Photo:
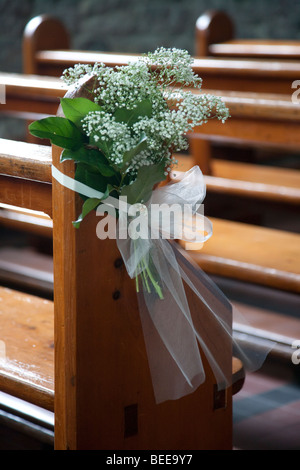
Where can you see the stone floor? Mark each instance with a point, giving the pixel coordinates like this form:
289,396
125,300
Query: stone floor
266,412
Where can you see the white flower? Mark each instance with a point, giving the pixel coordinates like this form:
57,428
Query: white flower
112,137
155,78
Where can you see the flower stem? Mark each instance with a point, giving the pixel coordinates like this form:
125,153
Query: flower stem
145,275
154,282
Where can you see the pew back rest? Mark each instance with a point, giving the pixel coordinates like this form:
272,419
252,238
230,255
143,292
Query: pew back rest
215,37
41,33
212,27
39,57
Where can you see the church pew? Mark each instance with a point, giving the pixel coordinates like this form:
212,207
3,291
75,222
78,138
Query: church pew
215,36
256,119
27,322
45,53
109,376
248,254
26,183
40,58
42,176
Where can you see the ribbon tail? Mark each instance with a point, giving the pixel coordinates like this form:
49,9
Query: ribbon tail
173,353
218,310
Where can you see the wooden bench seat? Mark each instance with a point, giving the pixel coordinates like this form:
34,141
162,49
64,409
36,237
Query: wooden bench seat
27,269
27,347
270,326
257,48
232,177
29,221
264,119
27,344
20,159
38,94
236,250
259,255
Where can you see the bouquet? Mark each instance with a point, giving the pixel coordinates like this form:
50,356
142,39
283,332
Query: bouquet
123,138
124,135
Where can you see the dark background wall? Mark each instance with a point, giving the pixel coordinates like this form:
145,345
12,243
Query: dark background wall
141,25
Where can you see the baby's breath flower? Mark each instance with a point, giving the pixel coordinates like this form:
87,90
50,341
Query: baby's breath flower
112,137
172,111
173,65
73,74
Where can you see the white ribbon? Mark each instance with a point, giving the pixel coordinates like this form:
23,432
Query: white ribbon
171,329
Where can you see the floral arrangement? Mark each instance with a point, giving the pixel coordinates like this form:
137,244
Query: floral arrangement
123,138
124,135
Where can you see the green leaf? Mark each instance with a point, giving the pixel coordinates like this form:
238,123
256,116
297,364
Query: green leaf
59,131
89,205
147,176
91,157
142,145
142,109
75,109
85,174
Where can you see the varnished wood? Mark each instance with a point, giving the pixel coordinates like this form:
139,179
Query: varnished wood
265,76
42,32
47,53
26,269
268,257
78,336
269,175
238,375
27,180
246,179
41,202
270,106
257,48
25,160
29,194
27,347
40,94
261,119
25,220
232,178
266,326
211,27
109,369
81,325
